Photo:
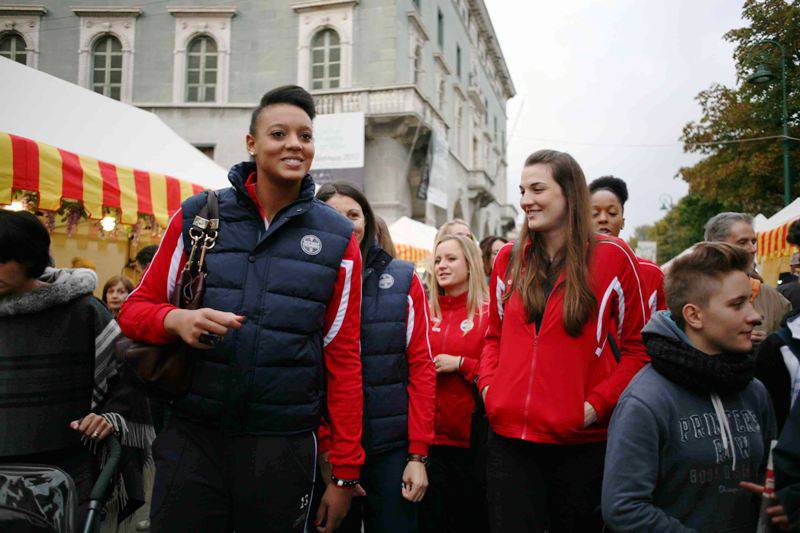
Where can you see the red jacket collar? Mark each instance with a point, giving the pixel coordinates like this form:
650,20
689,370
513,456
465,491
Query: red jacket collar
250,185
453,302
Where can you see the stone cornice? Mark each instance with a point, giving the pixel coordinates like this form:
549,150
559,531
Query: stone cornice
16,9
311,5
202,11
481,15
92,11
439,58
416,21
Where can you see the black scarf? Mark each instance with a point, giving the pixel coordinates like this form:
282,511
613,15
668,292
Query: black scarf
726,373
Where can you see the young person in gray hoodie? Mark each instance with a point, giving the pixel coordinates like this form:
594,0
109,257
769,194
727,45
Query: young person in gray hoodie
694,424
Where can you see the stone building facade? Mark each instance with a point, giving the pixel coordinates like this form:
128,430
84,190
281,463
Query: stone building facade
418,69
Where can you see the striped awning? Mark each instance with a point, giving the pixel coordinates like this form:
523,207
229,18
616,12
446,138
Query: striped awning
57,175
773,243
412,253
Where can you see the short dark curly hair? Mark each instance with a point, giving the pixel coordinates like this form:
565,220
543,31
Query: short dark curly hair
612,184
287,94
25,240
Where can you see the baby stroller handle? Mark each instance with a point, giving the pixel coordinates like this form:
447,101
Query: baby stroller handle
99,493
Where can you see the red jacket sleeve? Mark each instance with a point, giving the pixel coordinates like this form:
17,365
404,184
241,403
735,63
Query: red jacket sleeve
491,344
421,372
633,356
342,357
652,287
142,315
469,368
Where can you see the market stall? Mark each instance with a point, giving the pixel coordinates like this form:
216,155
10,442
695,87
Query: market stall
413,240
773,250
103,176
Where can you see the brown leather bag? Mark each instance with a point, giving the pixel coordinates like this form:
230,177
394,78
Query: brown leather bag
166,370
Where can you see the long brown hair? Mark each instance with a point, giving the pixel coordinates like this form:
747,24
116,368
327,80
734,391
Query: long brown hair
531,265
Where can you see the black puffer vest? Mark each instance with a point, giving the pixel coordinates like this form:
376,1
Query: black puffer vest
384,323
267,377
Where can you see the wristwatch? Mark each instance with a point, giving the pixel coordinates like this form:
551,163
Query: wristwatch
344,483
418,458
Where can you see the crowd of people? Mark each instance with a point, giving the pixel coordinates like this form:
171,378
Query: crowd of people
556,382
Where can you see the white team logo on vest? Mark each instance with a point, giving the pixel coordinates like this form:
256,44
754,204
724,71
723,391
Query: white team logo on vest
467,325
311,244
385,281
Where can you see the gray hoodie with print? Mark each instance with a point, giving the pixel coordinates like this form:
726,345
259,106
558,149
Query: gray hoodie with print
669,467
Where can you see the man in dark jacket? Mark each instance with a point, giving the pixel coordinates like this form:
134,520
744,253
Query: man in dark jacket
694,424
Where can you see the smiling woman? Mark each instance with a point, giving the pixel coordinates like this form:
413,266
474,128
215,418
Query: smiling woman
284,277
547,372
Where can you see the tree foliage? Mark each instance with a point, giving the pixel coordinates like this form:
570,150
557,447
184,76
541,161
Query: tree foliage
740,176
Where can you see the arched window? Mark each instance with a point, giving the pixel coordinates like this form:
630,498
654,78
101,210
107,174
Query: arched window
12,46
107,67
417,64
201,70
326,60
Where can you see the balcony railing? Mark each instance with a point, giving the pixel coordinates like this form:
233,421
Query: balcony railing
387,101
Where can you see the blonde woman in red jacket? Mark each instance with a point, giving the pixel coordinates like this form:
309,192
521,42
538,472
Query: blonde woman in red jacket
547,373
459,312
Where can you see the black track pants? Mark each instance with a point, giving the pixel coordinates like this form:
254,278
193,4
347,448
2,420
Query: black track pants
209,482
456,500
533,487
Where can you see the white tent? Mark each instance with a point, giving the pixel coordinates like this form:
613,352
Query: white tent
787,214
50,110
413,233
759,221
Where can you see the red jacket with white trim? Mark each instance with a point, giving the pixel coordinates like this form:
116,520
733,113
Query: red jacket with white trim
454,334
652,287
142,318
539,380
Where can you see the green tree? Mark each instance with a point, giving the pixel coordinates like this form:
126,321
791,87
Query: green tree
683,225
748,176
739,176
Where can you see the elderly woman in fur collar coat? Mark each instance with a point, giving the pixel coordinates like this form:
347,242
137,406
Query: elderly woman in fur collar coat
60,392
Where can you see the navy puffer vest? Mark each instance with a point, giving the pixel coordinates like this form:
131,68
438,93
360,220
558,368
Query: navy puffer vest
384,319
267,377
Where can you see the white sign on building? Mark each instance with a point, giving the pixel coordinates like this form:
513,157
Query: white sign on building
339,148
437,184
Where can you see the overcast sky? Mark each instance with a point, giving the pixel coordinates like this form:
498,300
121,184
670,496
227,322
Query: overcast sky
594,77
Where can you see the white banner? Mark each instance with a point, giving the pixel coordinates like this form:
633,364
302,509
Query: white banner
437,184
339,141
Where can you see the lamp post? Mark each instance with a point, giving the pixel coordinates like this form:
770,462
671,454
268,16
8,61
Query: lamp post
763,75
666,202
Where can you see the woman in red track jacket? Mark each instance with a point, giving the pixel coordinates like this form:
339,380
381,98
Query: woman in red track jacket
547,373
459,314
609,195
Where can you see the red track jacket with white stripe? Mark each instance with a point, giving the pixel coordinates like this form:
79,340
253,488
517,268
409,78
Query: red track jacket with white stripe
652,287
539,380
454,334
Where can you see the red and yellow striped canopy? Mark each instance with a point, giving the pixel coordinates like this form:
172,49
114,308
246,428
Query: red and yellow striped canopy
411,253
57,174
773,243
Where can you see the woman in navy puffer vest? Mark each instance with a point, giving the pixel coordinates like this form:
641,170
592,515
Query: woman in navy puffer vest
398,375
